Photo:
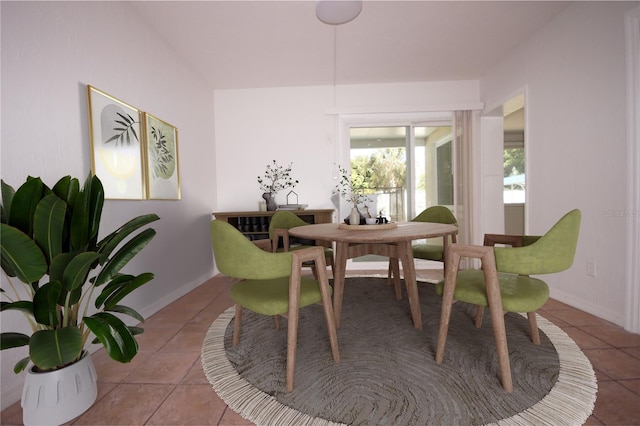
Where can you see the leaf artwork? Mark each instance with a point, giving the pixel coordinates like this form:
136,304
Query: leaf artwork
161,156
118,125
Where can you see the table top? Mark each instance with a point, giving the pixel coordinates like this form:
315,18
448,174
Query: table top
405,231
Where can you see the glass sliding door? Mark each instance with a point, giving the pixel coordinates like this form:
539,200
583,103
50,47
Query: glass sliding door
410,167
381,154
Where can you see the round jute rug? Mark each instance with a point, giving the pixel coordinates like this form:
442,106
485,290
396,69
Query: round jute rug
387,374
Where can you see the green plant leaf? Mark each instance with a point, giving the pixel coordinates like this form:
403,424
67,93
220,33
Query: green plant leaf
96,203
24,203
121,309
114,336
76,272
111,241
7,197
83,216
21,365
25,306
55,348
13,340
124,288
136,330
67,189
48,225
45,303
124,255
58,265
20,256
116,282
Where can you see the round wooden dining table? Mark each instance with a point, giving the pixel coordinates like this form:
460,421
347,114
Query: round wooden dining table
390,241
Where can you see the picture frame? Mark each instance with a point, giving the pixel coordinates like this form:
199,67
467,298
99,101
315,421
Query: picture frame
163,168
116,146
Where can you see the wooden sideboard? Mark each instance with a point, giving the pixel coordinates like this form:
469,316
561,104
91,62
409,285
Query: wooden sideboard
255,225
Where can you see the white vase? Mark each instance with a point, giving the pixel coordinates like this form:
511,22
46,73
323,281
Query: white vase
354,217
55,397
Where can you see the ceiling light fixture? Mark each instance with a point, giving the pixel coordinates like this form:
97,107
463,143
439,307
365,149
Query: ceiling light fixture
336,12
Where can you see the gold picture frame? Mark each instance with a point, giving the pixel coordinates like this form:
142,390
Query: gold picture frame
162,166
116,146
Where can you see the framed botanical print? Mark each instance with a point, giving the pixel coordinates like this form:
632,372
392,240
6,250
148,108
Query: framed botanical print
163,174
116,146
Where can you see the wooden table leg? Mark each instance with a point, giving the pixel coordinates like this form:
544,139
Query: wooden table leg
405,253
338,279
394,274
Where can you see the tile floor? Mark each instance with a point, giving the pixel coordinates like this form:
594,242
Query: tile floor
164,384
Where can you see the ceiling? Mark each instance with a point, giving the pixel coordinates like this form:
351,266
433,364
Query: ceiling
251,44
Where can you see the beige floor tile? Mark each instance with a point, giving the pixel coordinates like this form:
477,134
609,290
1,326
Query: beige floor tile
12,415
164,367
209,314
554,319
195,376
585,340
615,363
156,336
616,405
126,404
195,300
579,319
168,317
634,352
633,385
189,339
554,305
231,418
189,405
110,371
615,336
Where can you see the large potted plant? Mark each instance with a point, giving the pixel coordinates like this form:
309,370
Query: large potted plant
70,288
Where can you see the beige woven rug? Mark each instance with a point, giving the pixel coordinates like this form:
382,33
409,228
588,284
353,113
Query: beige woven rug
387,374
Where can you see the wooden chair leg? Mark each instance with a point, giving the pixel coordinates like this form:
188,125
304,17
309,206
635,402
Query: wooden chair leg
276,319
292,324
479,315
497,318
237,325
533,325
495,304
298,258
323,282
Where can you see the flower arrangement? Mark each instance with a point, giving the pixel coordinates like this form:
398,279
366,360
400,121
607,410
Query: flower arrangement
276,178
352,185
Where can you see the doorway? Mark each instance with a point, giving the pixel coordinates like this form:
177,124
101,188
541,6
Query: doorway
514,181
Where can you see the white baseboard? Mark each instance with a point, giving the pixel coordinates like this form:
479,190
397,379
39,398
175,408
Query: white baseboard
589,307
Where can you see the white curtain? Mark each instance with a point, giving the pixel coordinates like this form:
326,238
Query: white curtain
462,176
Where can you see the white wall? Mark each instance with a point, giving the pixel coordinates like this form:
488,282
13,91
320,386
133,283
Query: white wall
50,52
574,71
292,124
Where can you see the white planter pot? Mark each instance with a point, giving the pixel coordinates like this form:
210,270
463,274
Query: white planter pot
55,397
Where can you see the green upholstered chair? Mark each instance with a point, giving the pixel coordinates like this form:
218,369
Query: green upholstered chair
279,225
435,214
425,250
504,284
271,284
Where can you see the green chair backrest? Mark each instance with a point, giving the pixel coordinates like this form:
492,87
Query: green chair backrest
552,252
436,214
238,257
284,219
